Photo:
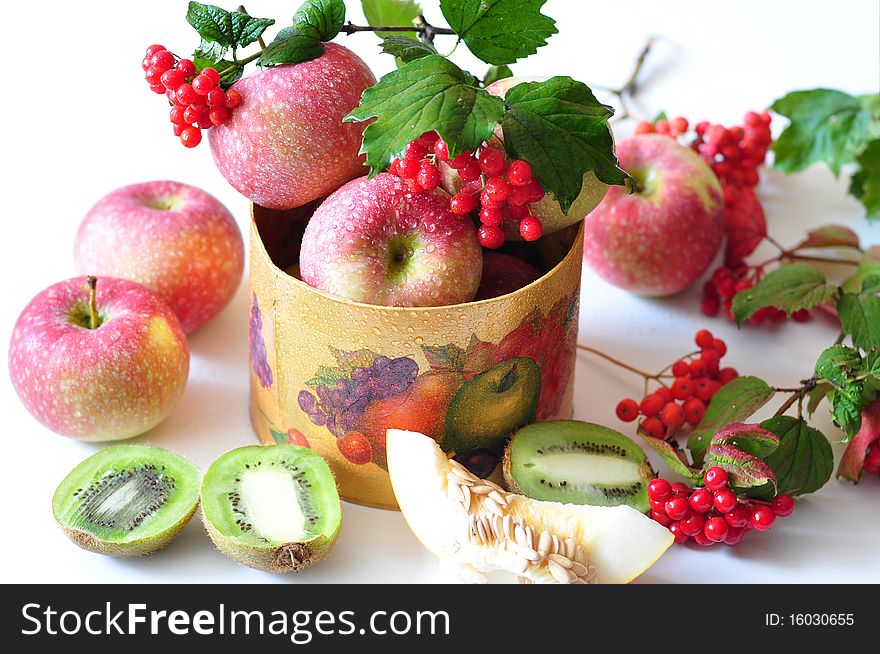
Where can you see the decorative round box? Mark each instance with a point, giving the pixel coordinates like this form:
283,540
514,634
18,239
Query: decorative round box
334,374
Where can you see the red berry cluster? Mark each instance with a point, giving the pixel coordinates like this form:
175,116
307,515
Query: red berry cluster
696,379
197,100
872,459
713,513
727,281
491,185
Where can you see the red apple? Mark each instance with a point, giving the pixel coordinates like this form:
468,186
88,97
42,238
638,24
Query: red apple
661,238
381,242
286,144
175,239
503,274
98,360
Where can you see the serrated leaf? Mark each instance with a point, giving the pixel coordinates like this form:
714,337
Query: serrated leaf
499,31
430,93
561,129
734,402
320,19
789,288
745,470
842,367
815,396
391,13
803,462
751,439
826,126
869,266
445,357
674,458
326,376
661,115
210,55
853,460
228,28
859,315
830,236
290,47
407,49
865,183
496,73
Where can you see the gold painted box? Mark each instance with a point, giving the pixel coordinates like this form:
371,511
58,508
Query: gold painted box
333,374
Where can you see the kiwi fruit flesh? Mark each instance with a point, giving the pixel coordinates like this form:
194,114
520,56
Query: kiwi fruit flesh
272,507
127,500
577,463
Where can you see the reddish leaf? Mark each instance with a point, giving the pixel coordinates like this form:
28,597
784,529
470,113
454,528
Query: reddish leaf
751,439
830,236
853,459
745,224
674,458
745,470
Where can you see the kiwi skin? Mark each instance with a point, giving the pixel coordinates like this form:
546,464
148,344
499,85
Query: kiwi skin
645,470
134,547
280,559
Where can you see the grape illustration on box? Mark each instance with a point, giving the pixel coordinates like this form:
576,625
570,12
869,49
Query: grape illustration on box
468,399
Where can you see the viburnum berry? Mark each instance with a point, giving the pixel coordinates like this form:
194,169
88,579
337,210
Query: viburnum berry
658,489
428,177
627,409
653,427
415,151
497,189
782,505
409,168
681,369
726,375
676,507
191,137
470,172
530,228
662,126
178,129
693,524
644,127
495,217
462,203
441,151
519,173
186,94
701,500
715,478
679,125
176,115
162,60
664,394
153,49
517,211
490,236
536,191
461,160
734,535
216,98
678,488
491,161
233,99
677,532
186,66
704,389
704,338
212,75
171,79
738,516
202,84
661,517
682,388
218,115
725,500
762,518
716,529
191,114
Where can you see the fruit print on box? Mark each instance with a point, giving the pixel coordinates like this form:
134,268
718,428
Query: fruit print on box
467,399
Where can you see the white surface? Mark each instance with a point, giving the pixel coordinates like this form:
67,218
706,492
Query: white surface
79,121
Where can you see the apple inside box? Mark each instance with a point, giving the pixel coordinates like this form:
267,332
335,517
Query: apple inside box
334,375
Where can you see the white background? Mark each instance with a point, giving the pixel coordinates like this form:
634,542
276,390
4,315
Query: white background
78,121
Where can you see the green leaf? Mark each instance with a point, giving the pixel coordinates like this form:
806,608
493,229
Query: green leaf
291,47
865,183
826,125
830,236
734,402
745,470
560,128
327,376
321,19
429,93
407,49
842,367
751,439
279,436
348,361
496,73
445,357
499,31
790,288
210,55
391,13
869,266
674,458
661,115
803,461
859,315
819,393
230,29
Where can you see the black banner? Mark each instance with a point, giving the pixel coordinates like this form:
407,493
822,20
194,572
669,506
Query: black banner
278,618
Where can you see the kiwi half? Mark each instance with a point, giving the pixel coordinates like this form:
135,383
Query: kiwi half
127,500
577,463
274,508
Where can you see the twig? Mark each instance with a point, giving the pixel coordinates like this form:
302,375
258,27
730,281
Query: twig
422,27
629,88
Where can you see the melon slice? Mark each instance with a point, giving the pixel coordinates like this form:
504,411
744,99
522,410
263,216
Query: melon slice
476,527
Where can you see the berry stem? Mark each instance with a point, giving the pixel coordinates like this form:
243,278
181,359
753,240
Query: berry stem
786,254
630,87
422,27
625,366
93,302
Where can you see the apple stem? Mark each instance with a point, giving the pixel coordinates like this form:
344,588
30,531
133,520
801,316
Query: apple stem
93,303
